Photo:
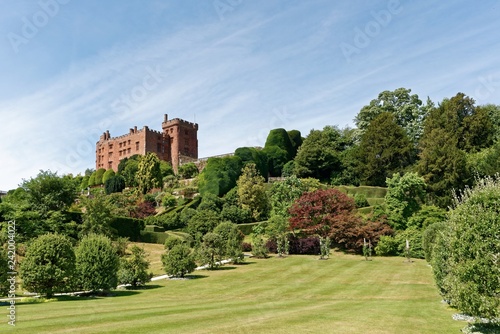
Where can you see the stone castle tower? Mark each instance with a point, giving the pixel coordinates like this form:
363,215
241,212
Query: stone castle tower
177,143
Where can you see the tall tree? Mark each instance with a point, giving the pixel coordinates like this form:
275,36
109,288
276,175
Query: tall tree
220,175
407,109
252,192
319,155
405,195
149,173
384,150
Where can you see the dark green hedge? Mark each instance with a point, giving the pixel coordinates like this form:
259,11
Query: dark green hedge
128,227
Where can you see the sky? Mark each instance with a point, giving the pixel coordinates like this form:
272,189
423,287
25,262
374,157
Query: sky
72,69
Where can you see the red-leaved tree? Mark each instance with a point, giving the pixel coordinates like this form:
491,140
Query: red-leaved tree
331,213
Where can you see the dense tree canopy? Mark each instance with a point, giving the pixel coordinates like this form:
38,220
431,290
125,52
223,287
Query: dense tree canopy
220,175
49,265
384,150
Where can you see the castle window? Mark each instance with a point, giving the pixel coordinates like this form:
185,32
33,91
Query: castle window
129,141
120,145
128,150
171,130
110,146
186,132
137,146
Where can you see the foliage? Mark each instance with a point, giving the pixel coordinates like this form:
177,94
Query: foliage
319,155
149,173
429,237
405,195
387,246
99,174
97,217
128,168
127,227
49,264
107,175
384,150
256,156
319,211
277,158
202,222
143,210
211,250
121,244
470,281
85,182
169,201
297,245
219,175
178,260
236,214
426,216
252,192
407,109
296,139
49,192
114,184
281,139
188,171
4,269
97,263
133,270
211,202
360,201
232,239
166,169
284,193
277,228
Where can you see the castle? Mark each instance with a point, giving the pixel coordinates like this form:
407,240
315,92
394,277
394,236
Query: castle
177,143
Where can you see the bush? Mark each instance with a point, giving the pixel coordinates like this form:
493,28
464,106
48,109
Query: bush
49,264
429,237
133,270
153,237
97,263
169,201
308,245
128,227
178,261
360,200
387,246
246,247
114,184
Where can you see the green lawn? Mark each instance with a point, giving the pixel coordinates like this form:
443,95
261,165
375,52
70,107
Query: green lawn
298,294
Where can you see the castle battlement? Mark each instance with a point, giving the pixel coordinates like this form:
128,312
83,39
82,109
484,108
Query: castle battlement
177,139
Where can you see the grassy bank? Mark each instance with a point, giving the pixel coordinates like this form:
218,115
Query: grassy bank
298,294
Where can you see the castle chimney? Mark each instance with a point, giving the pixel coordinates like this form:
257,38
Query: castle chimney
107,134
135,129
165,118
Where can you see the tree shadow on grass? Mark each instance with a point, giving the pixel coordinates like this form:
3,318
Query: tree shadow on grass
195,276
142,287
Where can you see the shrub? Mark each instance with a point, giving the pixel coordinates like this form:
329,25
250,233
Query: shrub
246,247
127,227
169,201
387,245
429,237
49,264
153,237
178,261
114,184
360,200
308,245
97,263
133,270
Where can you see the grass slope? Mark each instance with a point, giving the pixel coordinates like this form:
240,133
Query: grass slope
298,294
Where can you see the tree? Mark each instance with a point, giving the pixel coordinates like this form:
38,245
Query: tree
99,174
211,250
252,192
128,168
384,150
178,261
278,228
97,263
284,193
97,216
202,222
166,169
319,155
280,138
49,192
442,161
317,212
408,111
256,156
149,173
49,264
296,139
470,281
114,184
188,171
219,175
133,270
232,239
107,175
405,195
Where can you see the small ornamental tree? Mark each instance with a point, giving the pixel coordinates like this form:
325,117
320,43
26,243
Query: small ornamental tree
252,192
97,263
232,239
211,250
49,264
178,260
319,211
133,270
114,184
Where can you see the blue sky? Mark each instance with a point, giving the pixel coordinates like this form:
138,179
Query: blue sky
71,69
